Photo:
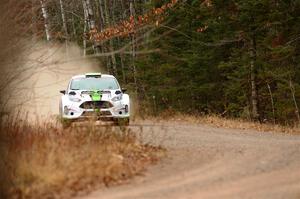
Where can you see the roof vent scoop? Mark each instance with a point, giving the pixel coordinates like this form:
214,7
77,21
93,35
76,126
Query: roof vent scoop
93,75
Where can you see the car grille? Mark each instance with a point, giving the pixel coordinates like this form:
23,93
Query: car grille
96,105
105,113
96,114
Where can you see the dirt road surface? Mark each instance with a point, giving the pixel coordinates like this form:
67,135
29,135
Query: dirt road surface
208,162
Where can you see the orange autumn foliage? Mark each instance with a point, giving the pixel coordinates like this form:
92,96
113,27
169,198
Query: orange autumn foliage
130,26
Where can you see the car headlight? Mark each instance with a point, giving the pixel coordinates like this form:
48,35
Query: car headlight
74,99
117,98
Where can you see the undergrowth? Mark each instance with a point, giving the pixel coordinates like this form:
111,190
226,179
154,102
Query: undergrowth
45,161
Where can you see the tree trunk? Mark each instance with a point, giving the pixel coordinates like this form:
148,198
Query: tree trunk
85,27
111,43
123,68
89,15
102,15
63,17
132,13
254,98
102,26
34,21
45,16
91,20
122,58
272,103
84,39
73,27
292,88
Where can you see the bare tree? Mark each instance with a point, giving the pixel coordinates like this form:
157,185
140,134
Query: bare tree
272,102
63,17
111,43
90,21
46,20
132,13
292,88
254,98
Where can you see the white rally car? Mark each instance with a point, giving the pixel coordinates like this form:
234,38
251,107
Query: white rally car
94,95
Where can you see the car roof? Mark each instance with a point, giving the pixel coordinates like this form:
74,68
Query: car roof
83,76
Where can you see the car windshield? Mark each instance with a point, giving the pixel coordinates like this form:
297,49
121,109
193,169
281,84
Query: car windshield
102,83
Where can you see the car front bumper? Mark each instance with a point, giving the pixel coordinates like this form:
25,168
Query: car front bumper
74,112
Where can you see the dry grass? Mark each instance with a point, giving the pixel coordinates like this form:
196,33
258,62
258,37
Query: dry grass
243,124
233,123
43,161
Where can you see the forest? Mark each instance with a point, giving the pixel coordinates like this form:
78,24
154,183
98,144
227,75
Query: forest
232,58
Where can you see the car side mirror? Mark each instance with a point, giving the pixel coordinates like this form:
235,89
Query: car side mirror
63,92
124,90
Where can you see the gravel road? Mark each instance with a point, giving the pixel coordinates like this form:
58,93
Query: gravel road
208,162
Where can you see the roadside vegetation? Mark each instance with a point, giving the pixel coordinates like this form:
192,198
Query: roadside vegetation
236,59
44,161
223,122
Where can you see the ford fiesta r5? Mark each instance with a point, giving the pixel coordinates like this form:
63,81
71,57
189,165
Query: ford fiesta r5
94,95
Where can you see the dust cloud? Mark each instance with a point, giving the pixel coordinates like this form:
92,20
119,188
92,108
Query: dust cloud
46,68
